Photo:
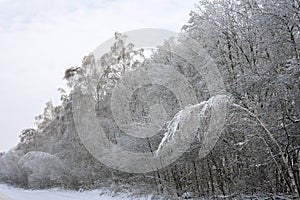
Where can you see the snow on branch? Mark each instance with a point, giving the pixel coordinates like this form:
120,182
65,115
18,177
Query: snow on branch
202,110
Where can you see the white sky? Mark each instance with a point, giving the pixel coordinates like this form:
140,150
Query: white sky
39,39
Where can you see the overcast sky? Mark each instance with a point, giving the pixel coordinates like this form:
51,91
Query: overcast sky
39,39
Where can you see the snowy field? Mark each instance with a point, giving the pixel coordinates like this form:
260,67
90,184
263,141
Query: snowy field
11,193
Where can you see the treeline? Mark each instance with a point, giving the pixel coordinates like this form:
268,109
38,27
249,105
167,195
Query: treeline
256,45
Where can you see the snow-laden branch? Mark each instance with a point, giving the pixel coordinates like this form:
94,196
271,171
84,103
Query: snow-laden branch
202,113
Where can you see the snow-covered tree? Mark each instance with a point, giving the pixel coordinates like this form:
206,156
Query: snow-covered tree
41,169
10,171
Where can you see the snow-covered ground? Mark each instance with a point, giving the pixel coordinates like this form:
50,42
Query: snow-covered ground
12,193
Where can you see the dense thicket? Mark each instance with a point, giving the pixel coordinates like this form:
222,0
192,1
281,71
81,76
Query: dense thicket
256,45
